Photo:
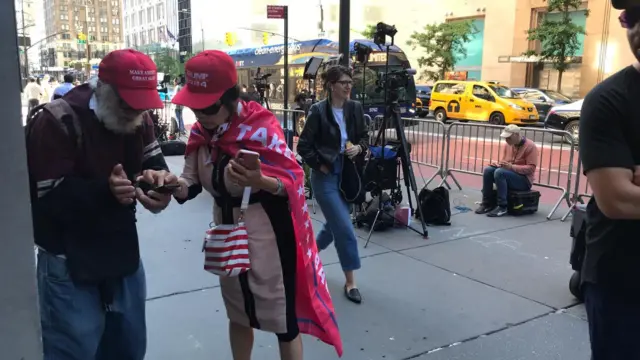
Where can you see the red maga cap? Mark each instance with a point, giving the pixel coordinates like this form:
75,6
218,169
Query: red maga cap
134,76
209,75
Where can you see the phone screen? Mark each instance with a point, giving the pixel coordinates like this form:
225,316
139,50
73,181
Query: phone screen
167,188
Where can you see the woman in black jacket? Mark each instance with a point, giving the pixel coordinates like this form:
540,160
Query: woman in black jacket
334,134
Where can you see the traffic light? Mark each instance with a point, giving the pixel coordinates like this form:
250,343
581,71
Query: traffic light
265,38
230,38
82,38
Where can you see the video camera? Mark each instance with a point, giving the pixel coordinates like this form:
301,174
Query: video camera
260,81
392,82
362,52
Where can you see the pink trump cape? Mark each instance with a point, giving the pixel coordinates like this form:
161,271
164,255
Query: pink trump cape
257,129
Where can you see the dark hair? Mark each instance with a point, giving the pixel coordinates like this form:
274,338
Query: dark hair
68,78
227,101
333,74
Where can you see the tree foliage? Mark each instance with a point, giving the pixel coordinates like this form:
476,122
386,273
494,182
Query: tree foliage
369,32
168,63
557,39
442,46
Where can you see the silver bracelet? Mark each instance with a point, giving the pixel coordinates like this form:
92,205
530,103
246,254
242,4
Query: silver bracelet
280,188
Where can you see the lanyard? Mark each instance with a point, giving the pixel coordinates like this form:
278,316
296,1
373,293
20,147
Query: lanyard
246,195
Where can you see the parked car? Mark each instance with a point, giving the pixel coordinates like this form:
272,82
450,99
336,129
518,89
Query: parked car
543,99
423,97
567,118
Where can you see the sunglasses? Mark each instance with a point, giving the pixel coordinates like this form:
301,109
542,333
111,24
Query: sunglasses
630,17
211,110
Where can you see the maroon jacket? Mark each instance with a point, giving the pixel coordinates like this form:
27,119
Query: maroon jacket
74,211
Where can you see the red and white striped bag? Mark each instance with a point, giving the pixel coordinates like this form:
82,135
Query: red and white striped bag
226,247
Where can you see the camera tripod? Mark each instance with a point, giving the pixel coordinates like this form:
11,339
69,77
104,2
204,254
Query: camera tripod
264,101
392,115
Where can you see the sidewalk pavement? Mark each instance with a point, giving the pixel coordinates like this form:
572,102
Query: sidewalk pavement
481,289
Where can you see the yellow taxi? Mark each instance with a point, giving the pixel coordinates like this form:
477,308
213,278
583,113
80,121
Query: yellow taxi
480,101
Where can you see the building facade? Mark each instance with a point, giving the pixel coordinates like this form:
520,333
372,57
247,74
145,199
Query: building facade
150,24
29,32
495,50
66,20
493,53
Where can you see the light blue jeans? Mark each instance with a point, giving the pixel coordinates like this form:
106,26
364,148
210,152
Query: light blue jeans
338,227
75,325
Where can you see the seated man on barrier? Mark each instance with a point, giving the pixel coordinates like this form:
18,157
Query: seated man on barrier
515,171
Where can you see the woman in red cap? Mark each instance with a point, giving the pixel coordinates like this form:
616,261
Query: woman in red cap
285,290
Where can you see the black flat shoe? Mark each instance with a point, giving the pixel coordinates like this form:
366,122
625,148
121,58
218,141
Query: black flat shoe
353,295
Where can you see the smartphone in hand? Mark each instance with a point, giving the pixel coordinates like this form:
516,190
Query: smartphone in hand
494,165
250,159
164,189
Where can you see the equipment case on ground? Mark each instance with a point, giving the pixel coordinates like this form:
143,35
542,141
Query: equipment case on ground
523,202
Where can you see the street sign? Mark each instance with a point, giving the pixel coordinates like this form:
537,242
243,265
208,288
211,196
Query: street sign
275,11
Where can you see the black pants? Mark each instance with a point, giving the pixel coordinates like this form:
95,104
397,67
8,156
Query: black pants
614,323
33,103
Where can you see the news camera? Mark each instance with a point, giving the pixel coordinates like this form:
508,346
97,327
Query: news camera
362,52
261,82
392,82
382,31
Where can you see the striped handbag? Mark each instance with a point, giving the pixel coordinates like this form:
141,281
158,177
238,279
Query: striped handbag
226,247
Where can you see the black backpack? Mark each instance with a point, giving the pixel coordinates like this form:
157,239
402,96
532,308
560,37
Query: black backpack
434,206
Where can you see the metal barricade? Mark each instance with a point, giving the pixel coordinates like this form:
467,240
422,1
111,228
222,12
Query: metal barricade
470,148
579,194
427,140
292,122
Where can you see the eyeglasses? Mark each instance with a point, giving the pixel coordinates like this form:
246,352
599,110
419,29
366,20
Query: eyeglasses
345,82
211,110
629,18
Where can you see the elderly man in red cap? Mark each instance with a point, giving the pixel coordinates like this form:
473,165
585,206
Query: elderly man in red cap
87,153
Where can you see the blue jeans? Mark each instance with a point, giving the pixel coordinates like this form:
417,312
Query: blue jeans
74,323
180,120
338,227
505,180
613,323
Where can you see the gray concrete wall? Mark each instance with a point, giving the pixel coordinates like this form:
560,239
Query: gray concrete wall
19,319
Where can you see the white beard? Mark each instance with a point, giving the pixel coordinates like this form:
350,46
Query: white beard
109,113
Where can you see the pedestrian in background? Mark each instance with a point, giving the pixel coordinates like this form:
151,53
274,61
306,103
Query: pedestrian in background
91,282
32,93
63,88
179,83
610,154
335,129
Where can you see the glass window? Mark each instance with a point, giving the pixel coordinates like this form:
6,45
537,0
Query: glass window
503,92
533,95
481,92
557,96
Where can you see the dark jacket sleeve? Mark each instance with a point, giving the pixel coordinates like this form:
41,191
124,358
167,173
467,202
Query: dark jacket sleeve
306,143
57,191
361,127
152,157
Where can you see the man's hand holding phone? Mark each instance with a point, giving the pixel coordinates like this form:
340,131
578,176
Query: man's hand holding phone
159,186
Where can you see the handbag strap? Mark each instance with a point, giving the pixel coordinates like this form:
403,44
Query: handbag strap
246,195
